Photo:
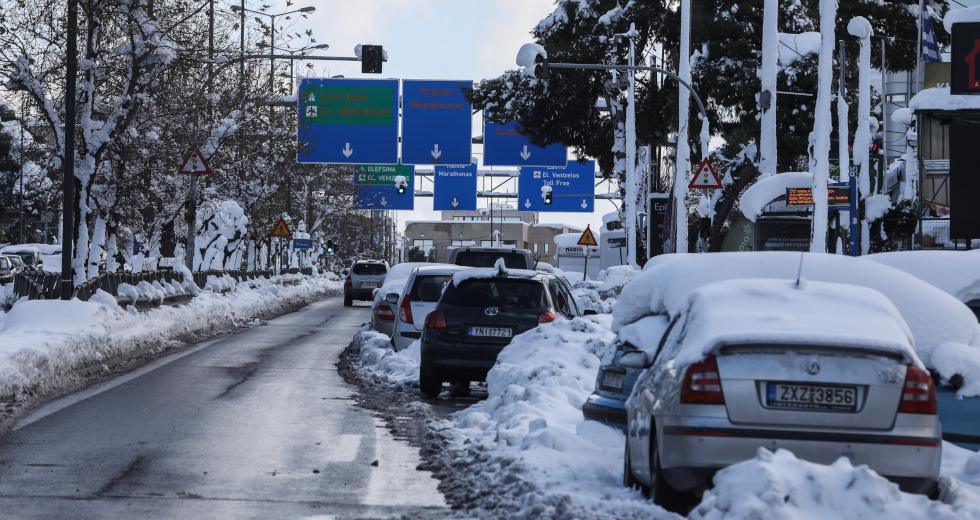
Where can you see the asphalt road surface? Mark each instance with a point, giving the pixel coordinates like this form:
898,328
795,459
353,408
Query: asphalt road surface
256,424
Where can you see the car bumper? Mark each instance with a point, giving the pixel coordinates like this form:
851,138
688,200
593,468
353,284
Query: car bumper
360,294
605,410
692,449
404,337
460,360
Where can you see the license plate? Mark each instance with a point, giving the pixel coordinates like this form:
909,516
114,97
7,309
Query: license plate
811,397
491,332
612,380
369,285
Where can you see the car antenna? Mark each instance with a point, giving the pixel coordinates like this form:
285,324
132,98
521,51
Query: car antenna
799,272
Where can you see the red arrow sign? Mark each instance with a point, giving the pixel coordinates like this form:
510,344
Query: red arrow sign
706,177
195,163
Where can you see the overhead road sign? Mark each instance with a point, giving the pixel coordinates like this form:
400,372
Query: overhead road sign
302,243
347,121
454,188
281,229
503,145
587,238
194,163
568,188
706,177
376,186
437,122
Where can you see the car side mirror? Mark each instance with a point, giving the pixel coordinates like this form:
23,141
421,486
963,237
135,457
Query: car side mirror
392,298
589,312
635,359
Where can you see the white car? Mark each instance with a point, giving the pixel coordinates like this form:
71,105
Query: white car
419,298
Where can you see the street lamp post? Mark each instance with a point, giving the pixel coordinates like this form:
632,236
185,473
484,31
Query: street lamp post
68,161
272,33
533,59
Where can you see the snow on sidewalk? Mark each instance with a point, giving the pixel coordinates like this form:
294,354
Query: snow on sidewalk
48,346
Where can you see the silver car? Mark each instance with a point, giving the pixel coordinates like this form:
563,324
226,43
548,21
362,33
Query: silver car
421,294
821,371
363,277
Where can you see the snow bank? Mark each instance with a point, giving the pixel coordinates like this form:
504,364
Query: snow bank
777,312
939,98
778,486
933,316
533,415
378,357
51,345
755,199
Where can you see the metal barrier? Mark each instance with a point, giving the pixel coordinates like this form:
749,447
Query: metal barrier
934,234
40,285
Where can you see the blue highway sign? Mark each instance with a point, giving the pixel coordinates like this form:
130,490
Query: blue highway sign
302,243
377,186
569,188
437,122
347,121
455,188
503,145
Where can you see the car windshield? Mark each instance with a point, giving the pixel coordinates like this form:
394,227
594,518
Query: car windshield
369,269
504,293
27,256
487,259
429,288
15,260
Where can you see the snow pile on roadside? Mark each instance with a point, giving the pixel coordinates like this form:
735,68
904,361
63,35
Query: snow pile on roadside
48,346
778,486
379,358
600,294
528,445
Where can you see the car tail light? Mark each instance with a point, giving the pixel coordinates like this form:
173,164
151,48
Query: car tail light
435,320
547,317
919,393
702,384
385,313
406,309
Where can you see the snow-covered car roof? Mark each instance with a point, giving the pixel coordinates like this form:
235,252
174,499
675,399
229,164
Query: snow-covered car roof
780,312
955,272
933,316
45,249
497,271
439,269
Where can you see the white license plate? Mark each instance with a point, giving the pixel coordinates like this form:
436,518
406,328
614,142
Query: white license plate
491,332
613,380
369,285
811,397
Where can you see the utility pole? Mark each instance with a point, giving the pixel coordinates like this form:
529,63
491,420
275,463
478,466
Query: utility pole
767,96
682,168
68,161
631,181
190,248
843,131
884,106
23,113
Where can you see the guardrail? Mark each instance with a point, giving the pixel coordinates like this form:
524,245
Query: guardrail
40,285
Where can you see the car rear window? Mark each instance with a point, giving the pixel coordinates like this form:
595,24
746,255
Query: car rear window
429,288
486,259
4,263
503,293
369,269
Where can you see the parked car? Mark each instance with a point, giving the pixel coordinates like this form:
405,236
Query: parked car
476,317
362,279
6,270
821,369
934,317
382,311
421,293
17,262
29,253
487,257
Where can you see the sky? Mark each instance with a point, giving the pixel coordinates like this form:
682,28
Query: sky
433,39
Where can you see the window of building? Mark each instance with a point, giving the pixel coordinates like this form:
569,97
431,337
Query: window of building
547,248
464,243
486,243
424,245
535,247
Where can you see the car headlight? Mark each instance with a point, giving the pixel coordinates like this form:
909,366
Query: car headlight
612,380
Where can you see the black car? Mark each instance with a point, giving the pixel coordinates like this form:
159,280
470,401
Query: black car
477,318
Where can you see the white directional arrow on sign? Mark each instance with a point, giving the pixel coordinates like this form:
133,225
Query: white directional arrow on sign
347,151
584,204
436,153
525,154
527,203
455,202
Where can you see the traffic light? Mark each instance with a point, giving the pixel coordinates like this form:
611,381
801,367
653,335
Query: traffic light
547,197
372,56
330,248
401,189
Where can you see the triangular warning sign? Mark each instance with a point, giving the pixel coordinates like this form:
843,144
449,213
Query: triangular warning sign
281,230
706,177
194,163
587,238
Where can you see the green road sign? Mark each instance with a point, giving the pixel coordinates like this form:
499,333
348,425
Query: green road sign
382,174
349,105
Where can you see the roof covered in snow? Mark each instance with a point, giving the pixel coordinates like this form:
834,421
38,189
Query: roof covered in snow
755,199
955,272
939,98
778,312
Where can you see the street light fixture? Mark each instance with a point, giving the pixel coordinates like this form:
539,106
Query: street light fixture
272,32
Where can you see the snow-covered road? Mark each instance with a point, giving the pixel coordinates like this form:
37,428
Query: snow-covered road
256,424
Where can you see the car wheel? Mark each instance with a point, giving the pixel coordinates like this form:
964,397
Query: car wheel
664,495
629,480
429,381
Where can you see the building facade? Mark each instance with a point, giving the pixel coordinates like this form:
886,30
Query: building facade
504,226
